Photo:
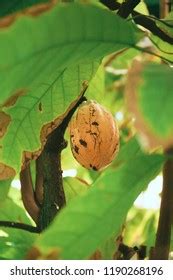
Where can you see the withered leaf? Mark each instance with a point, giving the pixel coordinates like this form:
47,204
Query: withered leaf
14,97
6,172
4,122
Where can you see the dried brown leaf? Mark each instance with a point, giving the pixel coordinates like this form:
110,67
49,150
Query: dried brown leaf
6,172
4,122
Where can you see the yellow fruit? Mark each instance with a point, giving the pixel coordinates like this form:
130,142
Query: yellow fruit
94,136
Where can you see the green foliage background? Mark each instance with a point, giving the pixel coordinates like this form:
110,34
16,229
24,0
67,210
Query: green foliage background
46,58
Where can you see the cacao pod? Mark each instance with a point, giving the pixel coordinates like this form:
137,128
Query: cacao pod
94,136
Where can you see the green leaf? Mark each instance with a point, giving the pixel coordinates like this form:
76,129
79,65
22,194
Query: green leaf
74,187
38,107
124,60
10,211
4,189
156,98
90,220
127,152
97,86
17,242
84,33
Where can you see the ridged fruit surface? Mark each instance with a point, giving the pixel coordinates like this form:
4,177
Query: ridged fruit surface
94,136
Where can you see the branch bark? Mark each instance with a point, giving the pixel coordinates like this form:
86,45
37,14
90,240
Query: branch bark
127,7
53,192
163,236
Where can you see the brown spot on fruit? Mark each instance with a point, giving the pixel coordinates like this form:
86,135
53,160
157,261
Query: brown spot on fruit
76,148
83,143
95,123
94,168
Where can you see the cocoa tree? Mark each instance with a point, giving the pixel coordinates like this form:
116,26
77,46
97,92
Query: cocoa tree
53,57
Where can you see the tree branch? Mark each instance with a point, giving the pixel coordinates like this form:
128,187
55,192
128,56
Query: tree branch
128,252
127,7
53,192
19,226
111,4
142,20
163,236
151,25
27,193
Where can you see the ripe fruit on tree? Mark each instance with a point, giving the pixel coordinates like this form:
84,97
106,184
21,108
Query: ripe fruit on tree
94,136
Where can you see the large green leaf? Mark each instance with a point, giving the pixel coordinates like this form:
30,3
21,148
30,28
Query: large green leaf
156,98
127,151
74,187
4,188
90,220
36,108
42,70
83,33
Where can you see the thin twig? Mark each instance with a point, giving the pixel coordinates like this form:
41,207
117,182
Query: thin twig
16,225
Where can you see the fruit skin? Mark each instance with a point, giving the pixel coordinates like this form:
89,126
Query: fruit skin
94,136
